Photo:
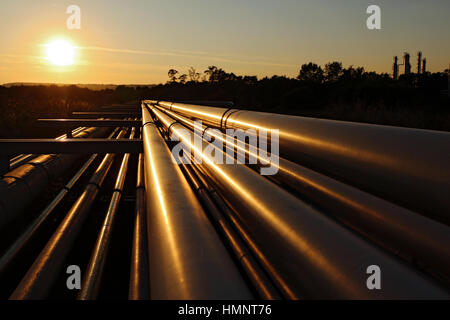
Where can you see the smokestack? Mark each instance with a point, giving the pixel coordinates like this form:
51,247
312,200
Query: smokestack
419,61
406,63
424,66
395,68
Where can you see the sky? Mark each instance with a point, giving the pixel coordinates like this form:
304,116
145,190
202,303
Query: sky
138,41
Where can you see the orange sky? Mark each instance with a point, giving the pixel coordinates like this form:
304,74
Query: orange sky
138,41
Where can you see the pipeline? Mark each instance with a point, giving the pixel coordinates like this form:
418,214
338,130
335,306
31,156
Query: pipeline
39,279
139,281
192,262
257,276
21,186
94,274
10,258
395,228
331,258
406,166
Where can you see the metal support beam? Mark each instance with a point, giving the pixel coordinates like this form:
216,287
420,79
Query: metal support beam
106,114
74,123
51,146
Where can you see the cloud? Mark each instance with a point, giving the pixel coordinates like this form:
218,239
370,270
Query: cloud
18,58
191,54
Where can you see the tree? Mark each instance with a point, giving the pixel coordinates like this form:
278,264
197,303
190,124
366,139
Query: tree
193,74
172,75
182,78
311,72
211,72
333,71
353,73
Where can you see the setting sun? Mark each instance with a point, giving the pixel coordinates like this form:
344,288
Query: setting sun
60,53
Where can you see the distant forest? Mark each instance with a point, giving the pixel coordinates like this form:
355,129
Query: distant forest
331,91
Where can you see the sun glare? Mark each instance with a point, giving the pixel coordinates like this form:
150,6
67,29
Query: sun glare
60,53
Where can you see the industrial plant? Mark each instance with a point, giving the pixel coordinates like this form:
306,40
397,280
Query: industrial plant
421,65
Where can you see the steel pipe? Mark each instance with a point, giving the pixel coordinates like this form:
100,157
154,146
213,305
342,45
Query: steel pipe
188,260
407,166
257,276
397,229
332,260
139,279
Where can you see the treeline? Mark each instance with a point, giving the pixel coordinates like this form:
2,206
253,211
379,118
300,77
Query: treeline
20,106
331,91
314,87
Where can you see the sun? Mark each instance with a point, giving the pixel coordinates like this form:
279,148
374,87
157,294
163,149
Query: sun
60,53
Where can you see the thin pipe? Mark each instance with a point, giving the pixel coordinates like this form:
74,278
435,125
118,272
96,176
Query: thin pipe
139,279
94,273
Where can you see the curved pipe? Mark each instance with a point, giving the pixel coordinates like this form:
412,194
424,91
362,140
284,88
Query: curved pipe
406,166
325,259
395,228
187,259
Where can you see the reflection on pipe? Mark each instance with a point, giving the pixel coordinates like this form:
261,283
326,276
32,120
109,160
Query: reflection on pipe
395,228
406,166
257,276
139,282
190,262
327,253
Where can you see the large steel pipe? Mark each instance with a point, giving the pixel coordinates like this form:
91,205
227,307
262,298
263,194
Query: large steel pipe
325,259
37,282
187,258
395,228
410,167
